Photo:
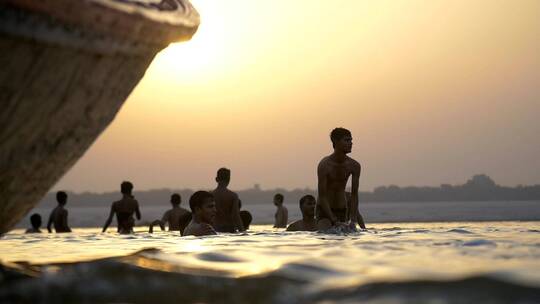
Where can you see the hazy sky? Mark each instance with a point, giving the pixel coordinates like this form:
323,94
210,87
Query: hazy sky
433,92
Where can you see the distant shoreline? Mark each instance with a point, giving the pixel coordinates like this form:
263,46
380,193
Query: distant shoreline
374,212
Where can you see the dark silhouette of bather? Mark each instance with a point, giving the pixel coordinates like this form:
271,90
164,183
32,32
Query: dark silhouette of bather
282,214
333,173
59,215
204,212
245,216
35,220
124,210
307,223
228,213
177,217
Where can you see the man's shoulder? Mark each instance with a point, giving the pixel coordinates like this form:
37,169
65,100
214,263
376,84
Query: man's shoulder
353,163
324,160
324,163
294,226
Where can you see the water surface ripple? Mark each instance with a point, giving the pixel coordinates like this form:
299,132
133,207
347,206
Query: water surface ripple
489,262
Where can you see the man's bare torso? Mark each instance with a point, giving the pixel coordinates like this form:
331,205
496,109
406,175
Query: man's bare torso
224,199
124,209
174,217
337,175
59,219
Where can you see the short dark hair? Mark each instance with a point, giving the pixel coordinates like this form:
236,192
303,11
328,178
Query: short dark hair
35,220
337,134
126,187
61,197
223,174
279,197
304,199
198,198
176,198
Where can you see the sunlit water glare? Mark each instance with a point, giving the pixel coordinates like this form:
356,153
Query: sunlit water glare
371,266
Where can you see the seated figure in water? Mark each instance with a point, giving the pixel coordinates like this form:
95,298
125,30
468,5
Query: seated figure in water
281,216
308,222
228,213
124,210
177,217
59,215
333,173
35,220
204,212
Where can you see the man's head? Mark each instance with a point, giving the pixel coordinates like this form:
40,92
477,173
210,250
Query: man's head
35,220
126,188
61,198
203,206
176,199
307,205
223,176
278,199
341,140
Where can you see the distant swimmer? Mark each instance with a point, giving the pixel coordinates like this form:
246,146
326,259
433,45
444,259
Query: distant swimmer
177,217
228,213
35,220
245,216
204,212
308,222
59,215
333,173
124,210
282,214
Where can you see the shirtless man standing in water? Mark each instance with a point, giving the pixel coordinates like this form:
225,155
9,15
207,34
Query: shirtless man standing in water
333,173
124,210
227,204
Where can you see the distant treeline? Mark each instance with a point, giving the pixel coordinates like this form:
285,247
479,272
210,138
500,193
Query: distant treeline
479,188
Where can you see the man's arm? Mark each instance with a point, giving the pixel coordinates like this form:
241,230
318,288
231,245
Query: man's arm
109,220
294,226
285,216
236,214
49,223
64,221
323,192
137,211
354,196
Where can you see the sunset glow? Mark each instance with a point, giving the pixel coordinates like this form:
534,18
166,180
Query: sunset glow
433,92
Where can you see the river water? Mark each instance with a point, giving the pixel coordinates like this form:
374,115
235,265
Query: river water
460,262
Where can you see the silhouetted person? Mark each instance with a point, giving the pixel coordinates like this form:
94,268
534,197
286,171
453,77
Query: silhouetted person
245,216
204,212
35,220
333,173
228,214
282,213
307,223
59,215
177,217
124,210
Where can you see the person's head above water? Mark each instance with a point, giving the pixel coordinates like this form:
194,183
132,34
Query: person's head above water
341,140
307,205
176,199
278,199
203,206
61,198
35,220
223,176
126,187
